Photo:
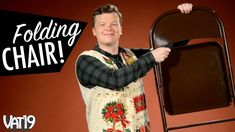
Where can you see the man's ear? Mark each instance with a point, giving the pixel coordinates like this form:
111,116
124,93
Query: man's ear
120,30
93,31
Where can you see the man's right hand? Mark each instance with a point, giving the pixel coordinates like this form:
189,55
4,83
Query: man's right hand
160,54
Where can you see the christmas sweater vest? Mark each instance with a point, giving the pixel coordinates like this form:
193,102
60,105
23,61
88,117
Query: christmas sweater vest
118,111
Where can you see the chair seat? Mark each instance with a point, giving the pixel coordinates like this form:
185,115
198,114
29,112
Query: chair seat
194,79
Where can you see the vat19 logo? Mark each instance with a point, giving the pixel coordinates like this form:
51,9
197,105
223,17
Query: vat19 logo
24,122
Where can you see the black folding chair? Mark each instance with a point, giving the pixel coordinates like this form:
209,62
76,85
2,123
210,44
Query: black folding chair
196,76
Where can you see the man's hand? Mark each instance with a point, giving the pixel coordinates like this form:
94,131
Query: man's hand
160,54
185,7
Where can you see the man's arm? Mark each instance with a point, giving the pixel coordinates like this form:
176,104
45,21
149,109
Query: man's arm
91,72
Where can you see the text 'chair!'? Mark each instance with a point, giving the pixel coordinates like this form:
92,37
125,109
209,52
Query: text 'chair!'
197,76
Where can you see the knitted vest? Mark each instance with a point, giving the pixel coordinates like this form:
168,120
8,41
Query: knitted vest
110,110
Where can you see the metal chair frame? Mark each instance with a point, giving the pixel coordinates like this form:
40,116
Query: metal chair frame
158,69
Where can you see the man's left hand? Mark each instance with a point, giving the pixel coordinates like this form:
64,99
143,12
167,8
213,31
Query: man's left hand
185,7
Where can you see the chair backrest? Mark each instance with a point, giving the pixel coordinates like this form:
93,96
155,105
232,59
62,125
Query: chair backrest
194,77
172,27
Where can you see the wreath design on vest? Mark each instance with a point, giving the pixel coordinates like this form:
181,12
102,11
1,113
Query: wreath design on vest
115,112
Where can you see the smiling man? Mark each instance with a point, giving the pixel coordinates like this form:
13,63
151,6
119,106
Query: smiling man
109,76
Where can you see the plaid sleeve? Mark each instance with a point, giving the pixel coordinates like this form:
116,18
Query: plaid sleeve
91,72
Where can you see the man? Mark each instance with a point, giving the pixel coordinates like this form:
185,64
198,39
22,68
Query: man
110,76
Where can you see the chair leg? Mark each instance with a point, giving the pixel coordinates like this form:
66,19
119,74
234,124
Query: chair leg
160,96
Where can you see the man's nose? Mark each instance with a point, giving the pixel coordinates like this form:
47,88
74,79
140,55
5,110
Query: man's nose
109,27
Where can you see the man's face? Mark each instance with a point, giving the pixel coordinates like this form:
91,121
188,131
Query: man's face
107,29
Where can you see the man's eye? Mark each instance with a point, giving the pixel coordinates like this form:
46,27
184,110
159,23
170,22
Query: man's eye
102,24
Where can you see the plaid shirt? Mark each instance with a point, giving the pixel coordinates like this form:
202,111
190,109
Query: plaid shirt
91,72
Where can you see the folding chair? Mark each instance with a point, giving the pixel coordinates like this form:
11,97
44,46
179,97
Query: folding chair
197,76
